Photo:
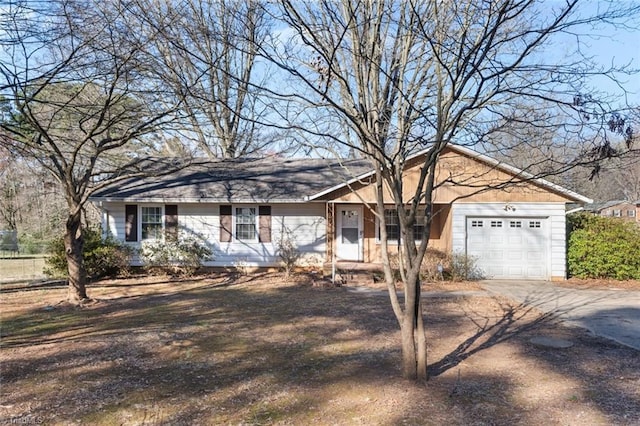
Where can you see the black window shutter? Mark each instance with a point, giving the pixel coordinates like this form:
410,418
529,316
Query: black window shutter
264,222
171,222
225,223
131,222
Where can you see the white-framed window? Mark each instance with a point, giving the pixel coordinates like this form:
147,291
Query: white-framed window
392,225
246,221
617,213
477,224
515,224
535,224
631,213
496,224
151,223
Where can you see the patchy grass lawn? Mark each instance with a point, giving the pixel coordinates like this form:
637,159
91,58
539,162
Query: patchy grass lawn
257,350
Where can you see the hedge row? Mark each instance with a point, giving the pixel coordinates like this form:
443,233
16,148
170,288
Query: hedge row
601,247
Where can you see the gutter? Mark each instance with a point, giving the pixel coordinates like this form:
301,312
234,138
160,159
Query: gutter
576,210
161,200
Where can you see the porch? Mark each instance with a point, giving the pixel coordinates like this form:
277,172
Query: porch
353,239
352,273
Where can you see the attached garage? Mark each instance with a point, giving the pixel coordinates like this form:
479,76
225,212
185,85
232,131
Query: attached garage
509,247
515,231
520,241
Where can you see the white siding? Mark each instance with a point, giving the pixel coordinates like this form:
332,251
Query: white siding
305,222
554,213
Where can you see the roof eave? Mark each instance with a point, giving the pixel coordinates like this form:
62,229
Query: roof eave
165,200
340,186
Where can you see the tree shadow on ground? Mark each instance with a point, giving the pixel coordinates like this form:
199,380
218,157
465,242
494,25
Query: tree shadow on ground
513,321
229,352
608,375
207,339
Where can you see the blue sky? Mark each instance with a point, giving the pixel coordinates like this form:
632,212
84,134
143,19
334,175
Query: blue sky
615,46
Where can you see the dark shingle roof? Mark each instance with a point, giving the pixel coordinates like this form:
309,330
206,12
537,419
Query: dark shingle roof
270,179
598,207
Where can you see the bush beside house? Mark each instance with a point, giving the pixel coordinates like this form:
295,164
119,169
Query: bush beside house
182,256
602,247
102,257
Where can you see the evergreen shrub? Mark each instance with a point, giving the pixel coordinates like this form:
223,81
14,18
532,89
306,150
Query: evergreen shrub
603,247
102,257
183,256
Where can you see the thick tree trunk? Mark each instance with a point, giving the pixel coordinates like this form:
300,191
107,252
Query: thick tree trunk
73,244
414,341
408,349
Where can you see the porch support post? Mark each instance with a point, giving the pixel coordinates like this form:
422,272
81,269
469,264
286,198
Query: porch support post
104,220
331,220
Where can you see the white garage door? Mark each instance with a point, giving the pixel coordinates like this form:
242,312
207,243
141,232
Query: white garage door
509,247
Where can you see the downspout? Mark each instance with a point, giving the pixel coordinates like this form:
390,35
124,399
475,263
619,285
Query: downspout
333,243
104,218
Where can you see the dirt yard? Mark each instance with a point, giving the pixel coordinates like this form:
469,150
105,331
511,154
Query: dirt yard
258,350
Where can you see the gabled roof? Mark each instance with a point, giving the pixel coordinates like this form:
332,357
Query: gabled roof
273,179
598,207
543,183
480,157
245,180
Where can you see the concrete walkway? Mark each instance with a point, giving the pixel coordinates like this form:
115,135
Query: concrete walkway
614,314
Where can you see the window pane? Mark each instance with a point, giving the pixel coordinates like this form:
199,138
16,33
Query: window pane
151,223
393,225
349,235
417,226
393,230
246,223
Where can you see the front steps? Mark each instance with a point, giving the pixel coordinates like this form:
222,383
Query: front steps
352,273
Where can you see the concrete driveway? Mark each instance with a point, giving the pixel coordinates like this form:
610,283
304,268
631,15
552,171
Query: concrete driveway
614,314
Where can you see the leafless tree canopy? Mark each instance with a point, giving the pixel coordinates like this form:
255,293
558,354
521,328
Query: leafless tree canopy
207,57
410,76
92,85
79,101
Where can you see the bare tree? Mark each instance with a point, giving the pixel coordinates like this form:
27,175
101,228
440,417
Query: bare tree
618,179
30,202
9,208
414,75
207,54
80,106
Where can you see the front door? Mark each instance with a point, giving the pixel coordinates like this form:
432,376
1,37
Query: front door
349,233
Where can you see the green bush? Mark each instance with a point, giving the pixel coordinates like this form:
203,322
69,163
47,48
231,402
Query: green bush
183,256
102,257
35,243
602,247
